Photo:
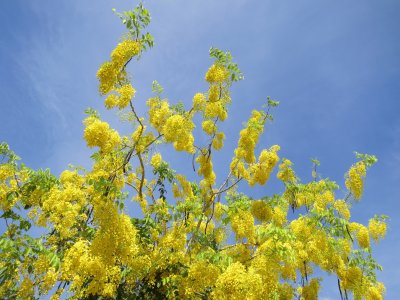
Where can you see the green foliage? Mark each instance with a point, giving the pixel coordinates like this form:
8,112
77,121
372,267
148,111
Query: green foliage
6,155
157,88
92,112
136,21
368,159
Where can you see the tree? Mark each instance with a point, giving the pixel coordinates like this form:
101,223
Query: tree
195,239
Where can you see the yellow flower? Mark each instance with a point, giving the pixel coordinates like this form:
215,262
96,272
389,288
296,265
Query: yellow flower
286,173
159,112
310,291
206,168
363,237
209,127
354,181
178,130
218,141
111,101
98,133
261,211
111,72
26,289
266,162
217,73
199,102
242,224
156,160
236,283
342,208
127,92
377,229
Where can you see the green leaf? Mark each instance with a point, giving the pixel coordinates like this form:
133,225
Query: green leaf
157,88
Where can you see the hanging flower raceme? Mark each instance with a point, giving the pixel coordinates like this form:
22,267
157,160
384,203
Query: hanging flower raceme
112,73
354,179
159,112
377,229
99,134
260,172
206,168
286,173
249,137
178,130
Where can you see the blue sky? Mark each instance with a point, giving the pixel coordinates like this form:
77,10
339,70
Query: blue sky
334,65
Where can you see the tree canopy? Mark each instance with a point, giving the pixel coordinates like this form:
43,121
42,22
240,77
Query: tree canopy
78,235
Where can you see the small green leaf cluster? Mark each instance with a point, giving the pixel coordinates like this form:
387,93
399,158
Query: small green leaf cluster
136,21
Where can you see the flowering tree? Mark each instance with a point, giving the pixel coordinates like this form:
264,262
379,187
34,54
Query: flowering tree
197,239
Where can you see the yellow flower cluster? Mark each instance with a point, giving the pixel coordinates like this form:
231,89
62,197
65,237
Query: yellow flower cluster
363,237
126,93
354,179
216,110
286,173
351,278
115,239
375,292
48,280
159,112
7,186
206,168
342,208
260,172
214,103
261,210
199,102
125,51
186,191
217,73
209,127
99,134
377,229
219,210
110,72
178,130
26,289
174,240
71,177
279,216
114,244
62,208
218,141
6,171
323,200
249,137
236,284
310,291
268,268
201,275
156,160
242,223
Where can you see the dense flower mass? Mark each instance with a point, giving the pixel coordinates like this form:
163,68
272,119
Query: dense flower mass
99,134
286,173
249,137
178,130
354,180
112,72
132,227
217,73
